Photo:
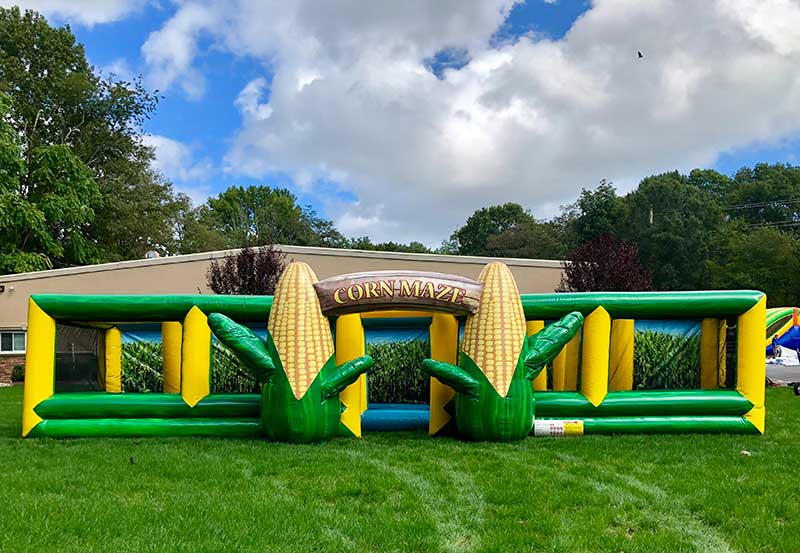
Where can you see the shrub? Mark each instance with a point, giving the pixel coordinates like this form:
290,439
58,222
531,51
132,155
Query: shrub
605,264
665,361
397,376
17,373
248,271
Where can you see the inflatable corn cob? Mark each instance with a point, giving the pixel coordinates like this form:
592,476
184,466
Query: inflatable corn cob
497,361
300,382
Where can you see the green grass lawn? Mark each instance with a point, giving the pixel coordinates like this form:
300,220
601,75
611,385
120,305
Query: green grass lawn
403,492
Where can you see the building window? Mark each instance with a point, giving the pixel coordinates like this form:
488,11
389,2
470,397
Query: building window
12,342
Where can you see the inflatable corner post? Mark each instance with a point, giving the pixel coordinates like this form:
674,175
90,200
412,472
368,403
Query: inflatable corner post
541,364
498,362
300,382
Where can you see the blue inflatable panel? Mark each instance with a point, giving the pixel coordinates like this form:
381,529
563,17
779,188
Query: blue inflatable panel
395,416
789,340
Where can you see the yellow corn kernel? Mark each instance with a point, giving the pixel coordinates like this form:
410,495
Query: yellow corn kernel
300,331
494,335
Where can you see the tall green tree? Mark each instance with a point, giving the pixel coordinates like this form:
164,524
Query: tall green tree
473,237
364,243
257,216
597,213
58,99
765,259
673,224
47,201
766,195
530,239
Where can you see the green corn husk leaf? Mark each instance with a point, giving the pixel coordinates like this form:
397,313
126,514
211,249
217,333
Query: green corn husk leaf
546,344
245,344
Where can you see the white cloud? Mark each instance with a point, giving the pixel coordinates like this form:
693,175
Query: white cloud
176,161
85,12
171,50
249,101
531,121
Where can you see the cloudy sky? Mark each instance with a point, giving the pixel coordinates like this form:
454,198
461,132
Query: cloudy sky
399,119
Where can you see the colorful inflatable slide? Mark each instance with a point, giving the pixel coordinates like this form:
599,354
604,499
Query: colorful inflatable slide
783,329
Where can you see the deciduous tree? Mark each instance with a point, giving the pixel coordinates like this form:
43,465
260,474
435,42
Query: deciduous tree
47,200
59,99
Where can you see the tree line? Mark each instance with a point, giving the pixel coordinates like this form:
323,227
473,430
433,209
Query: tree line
77,187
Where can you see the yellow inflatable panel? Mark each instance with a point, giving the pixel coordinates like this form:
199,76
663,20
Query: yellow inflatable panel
113,360
350,345
559,370
709,354
621,354
572,361
540,382
596,350
751,359
196,349
444,347
39,364
171,339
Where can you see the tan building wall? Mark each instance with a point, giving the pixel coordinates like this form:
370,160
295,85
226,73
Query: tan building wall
186,274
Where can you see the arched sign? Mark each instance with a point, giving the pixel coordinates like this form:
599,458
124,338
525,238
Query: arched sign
377,290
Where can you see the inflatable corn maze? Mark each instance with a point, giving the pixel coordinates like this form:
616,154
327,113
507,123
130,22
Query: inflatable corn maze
488,364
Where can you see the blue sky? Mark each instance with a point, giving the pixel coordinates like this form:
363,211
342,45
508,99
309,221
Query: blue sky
207,123
399,120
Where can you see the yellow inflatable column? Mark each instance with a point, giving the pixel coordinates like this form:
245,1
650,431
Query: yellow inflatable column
559,370
722,352
751,360
171,340
196,350
101,360
540,382
709,353
621,354
113,360
596,349
349,345
40,361
444,347
572,361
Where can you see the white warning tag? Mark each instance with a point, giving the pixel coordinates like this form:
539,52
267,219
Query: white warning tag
557,428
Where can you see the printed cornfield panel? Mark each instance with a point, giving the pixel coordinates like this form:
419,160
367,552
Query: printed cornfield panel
666,355
142,363
396,376
142,367
228,374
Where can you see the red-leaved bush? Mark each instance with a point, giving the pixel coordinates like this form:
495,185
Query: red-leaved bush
605,264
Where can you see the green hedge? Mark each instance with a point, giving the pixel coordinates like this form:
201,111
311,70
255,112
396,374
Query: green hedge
396,376
665,361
